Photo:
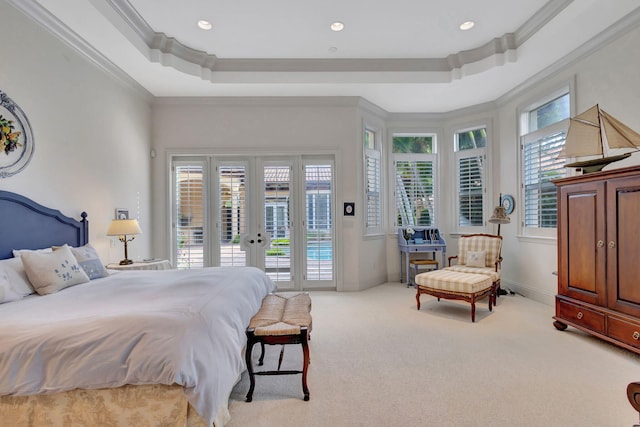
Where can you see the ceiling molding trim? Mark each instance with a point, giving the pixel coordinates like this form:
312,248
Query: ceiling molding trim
168,51
263,101
540,19
45,19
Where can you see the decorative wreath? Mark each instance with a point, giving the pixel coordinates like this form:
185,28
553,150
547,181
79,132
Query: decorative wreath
9,138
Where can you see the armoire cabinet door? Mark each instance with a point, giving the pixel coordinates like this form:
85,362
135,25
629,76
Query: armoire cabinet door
623,245
581,242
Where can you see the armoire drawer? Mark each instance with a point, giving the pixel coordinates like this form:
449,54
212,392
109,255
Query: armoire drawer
624,331
581,316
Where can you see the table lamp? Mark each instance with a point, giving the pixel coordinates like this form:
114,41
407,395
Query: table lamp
125,229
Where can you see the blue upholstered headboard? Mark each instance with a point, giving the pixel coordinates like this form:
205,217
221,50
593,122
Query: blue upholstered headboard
25,224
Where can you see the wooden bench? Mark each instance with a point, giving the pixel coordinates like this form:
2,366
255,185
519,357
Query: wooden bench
283,318
449,284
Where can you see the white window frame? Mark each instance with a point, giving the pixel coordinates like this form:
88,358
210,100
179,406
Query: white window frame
464,154
372,155
526,137
416,157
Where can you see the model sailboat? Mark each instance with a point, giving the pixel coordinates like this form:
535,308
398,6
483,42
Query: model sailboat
595,132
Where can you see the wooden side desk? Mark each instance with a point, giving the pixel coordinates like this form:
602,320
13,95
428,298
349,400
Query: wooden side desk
428,245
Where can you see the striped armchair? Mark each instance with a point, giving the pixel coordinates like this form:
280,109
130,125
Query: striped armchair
479,254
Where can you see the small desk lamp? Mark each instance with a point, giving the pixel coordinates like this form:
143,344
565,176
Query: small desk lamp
123,228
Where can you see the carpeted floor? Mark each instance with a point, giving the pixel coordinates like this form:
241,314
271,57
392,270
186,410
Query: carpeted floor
377,361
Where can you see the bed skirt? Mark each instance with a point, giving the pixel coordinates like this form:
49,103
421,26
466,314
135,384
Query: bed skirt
139,405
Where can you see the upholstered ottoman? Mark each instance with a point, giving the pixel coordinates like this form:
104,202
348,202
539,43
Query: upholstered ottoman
449,284
283,318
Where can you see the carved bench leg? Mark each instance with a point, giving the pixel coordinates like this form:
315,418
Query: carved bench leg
418,296
305,363
252,380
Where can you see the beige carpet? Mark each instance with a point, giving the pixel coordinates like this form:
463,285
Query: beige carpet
377,361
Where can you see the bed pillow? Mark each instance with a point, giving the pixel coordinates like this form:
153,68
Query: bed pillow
476,259
17,253
52,272
89,261
7,292
17,276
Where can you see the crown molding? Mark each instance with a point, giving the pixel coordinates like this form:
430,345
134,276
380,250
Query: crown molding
168,51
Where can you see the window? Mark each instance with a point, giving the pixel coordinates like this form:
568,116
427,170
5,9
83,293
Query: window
470,146
544,131
372,181
414,171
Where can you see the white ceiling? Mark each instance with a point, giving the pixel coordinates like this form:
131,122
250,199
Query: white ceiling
404,56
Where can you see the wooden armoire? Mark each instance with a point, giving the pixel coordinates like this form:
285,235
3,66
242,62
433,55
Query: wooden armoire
599,255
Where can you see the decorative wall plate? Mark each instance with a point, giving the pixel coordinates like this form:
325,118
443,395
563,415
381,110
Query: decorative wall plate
508,203
16,138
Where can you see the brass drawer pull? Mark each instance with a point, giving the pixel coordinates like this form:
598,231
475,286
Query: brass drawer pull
636,335
612,244
580,315
600,243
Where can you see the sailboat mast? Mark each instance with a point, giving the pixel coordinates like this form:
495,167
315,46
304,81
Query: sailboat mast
604,143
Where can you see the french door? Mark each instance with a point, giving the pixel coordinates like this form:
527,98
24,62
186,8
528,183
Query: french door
274,213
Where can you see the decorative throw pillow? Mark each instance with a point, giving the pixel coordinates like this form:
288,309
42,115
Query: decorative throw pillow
7,292
476,259
17,276
52,272
89,261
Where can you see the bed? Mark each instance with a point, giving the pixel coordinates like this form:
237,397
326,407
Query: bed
131,348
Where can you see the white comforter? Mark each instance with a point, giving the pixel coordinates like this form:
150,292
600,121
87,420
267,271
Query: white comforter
134,327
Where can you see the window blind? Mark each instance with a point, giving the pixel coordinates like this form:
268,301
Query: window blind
541,166
470,191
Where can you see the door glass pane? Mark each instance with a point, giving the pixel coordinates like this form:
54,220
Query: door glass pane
189,210
232,219
277,195
319,237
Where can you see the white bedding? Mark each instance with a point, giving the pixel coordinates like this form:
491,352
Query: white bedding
134,327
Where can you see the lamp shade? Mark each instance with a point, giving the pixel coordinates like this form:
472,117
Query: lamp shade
124,227
500,216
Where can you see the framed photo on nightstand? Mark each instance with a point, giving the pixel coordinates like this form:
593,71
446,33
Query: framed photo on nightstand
122,213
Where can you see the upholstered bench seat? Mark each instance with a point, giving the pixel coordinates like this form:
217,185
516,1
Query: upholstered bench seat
283,318
450,284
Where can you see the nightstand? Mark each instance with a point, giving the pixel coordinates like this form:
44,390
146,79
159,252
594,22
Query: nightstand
157,264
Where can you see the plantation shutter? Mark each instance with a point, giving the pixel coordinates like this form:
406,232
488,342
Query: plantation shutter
541,166
374,217
470,191
189,210
414,192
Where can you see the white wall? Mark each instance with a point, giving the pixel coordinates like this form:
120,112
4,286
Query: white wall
261,126
608,77
92,136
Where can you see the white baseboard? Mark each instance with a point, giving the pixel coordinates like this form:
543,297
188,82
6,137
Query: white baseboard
531,292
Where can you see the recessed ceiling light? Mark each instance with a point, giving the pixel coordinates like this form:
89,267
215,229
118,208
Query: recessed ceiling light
467,25
205,25
337,26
